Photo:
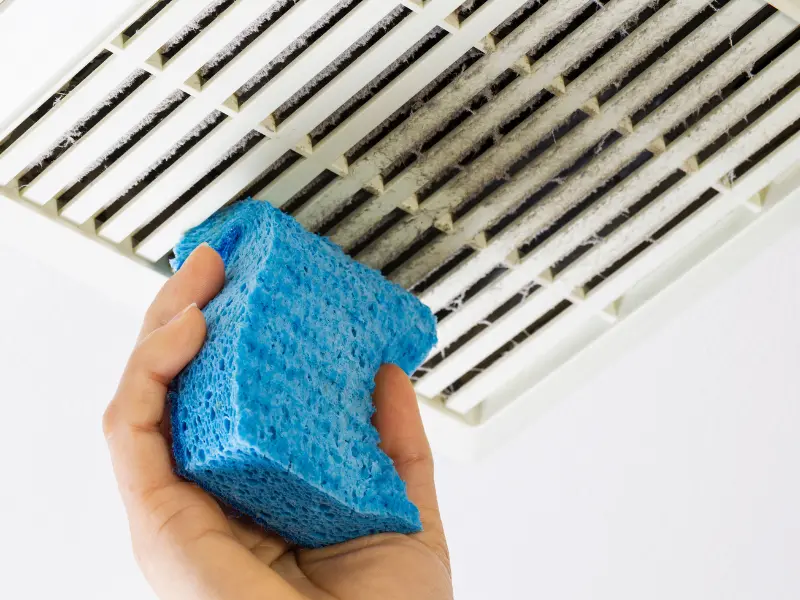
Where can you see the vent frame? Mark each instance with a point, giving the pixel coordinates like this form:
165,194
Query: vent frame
394,205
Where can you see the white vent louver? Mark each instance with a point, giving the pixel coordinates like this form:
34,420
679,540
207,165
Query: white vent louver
518,165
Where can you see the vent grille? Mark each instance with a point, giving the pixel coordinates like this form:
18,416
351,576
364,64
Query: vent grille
517,165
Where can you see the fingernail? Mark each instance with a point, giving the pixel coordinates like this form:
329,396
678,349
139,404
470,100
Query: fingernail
183,312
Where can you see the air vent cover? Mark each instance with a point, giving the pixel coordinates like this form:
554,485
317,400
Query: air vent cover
520,165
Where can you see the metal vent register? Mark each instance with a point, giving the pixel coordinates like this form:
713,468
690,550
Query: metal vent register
520,166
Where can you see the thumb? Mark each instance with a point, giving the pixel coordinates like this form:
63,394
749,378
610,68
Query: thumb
403,439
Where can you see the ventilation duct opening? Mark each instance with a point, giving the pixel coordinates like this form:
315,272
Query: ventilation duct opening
520,166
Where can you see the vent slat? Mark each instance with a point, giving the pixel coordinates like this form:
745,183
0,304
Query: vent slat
91,92
647,221
616,201
363,121
672,202
162,165
521,357
482,304
122,146
510,365
525,136
208,200
117,178
219,168
144,100
194,28
709,34
81,130
288,82
525,167
684,104
325,24
322,90
355,126
485,123
413,131
487,341
622,240
371,116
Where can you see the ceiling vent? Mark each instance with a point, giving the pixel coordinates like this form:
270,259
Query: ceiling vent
521,166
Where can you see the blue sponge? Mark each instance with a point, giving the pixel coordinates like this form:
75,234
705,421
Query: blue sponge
273,415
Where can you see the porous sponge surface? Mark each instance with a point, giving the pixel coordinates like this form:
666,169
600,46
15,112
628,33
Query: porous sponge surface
273,415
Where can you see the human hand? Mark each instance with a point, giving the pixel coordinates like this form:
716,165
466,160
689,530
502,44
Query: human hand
182,539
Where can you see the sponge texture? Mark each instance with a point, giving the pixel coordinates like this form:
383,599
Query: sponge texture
273,415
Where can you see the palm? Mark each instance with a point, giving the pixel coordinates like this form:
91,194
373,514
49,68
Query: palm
184,542
386,566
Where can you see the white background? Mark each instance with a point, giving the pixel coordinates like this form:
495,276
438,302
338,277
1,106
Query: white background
672,474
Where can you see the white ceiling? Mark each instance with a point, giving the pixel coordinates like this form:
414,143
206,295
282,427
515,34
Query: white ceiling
670,472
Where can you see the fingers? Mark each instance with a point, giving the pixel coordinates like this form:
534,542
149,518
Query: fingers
173,332
184,542
199,279
403,438
139,452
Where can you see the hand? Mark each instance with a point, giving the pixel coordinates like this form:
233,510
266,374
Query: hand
182,539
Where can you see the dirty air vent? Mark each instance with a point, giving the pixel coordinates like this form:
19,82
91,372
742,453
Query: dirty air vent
520,166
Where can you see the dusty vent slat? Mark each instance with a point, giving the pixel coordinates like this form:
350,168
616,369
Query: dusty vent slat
91,92
194,28
17,130
208,199
342,62
121,147
537,126
582,227
714,207
510,23
413,132
141,184
647,222
714,78
212,97
376,110
466,10
308,63
324,24
368,72
173,77
78,132
233,154
519,165
143,19
704,38
630,98
244,38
